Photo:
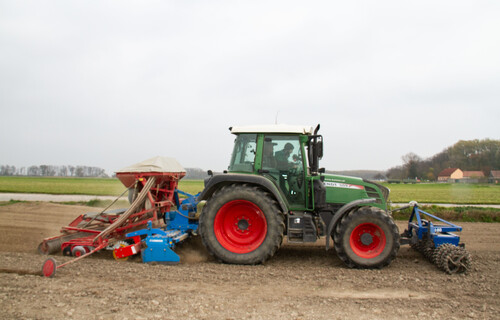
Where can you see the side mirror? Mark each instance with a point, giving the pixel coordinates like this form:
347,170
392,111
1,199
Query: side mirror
320,149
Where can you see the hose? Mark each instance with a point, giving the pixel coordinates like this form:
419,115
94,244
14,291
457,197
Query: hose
137,202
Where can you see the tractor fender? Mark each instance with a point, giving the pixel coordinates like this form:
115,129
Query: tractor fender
341,212
216,182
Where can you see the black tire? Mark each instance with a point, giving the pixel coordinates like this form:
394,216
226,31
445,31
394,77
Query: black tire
225,217
366,238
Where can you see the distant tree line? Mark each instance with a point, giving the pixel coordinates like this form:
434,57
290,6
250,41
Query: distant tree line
77,171
468,155
53,171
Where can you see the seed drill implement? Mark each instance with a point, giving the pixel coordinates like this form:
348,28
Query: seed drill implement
153,193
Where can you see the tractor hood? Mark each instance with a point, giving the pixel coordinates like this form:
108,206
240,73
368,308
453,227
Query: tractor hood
343,189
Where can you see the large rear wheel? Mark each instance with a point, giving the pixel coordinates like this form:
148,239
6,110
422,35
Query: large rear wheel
242,224
366,238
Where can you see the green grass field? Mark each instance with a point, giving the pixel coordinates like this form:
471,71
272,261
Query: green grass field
85,186
425,193
56,185
446,193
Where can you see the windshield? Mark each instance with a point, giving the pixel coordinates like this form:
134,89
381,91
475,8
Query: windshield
243,157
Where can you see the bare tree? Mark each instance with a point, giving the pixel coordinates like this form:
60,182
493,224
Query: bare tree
34,171
411,162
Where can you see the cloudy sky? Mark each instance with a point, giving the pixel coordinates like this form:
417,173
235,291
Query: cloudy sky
111,83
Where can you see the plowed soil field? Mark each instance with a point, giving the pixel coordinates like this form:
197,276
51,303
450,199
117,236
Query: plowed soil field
300,282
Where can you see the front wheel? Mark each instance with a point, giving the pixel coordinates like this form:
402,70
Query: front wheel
366,238
241,224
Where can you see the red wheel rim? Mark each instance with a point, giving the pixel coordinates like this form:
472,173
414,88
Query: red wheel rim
367,240
240,226
79,251
49,267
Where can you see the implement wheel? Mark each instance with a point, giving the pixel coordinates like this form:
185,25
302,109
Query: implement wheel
456,260
366,238
78,251
49,268
241,224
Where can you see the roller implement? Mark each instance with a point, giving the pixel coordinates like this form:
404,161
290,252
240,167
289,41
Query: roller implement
273,188
436,240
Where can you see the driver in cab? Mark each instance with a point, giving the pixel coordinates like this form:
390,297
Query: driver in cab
282,158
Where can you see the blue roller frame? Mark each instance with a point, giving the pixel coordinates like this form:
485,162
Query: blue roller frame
440,234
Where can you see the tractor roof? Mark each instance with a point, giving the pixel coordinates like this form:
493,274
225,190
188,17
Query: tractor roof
274,128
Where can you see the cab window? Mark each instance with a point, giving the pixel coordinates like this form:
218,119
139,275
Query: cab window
243,157
282,159
281,152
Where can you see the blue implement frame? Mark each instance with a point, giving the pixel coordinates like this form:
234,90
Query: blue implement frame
438,233
179,225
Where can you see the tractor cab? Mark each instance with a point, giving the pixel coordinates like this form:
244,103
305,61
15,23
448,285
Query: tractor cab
286,155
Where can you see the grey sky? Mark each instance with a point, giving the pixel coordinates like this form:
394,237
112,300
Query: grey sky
111,83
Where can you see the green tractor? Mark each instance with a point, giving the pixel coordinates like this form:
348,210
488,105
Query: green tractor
274,188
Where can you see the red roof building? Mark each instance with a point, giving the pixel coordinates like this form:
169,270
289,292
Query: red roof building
473,174
450,173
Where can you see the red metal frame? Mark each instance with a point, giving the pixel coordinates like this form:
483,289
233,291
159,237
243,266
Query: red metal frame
161,199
